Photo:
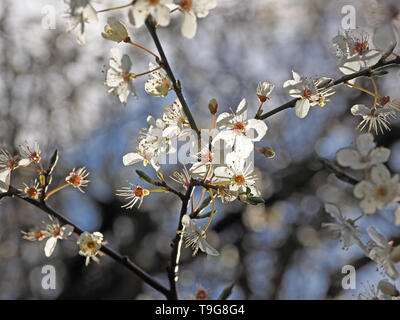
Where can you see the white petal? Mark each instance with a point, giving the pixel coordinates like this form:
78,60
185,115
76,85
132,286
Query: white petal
228,136
131,158
350,158
256,129
50,246
241,110
224,119
379,155
207,248
377,237
365,143
380,174
360,110
162,15
5,177
334,211
243,146
189,25
302,107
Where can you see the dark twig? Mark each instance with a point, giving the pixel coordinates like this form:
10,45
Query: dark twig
337,172
124,260
164,63
363,73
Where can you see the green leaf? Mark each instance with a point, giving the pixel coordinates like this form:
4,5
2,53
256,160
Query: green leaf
206,202
226,292
255,200
53,162
145,177
205,215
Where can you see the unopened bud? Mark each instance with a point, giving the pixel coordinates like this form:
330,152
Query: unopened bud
267,152
213,106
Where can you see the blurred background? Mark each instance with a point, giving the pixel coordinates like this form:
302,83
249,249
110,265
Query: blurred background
51,91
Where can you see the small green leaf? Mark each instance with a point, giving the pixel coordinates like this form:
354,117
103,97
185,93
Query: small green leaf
42,179
206,202
53,162
226,292
145,177
160,176
205,215
255,200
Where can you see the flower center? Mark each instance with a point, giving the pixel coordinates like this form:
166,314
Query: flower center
239,178
35,157
32,192
186,4
11,164
360,47
307,93
364,159
153,2
201,294
90,245
138,192
382,192
239,126
126,76
74,179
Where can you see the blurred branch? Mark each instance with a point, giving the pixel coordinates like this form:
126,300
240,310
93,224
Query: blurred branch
382,64
338,173
124,260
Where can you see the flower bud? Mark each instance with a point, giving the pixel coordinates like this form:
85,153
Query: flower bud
267,152
115,30
213,106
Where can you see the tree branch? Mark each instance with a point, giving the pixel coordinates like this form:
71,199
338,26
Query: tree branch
124,260
164,63
363,73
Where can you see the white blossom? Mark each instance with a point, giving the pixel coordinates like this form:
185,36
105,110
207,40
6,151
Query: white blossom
364,155
141,9
80,12
308,92
158,84
383,253
90,244
354,52
191,9
264,90
119,78
77,179
151,146
115,30
53,232
195,237
237,175
379,191
175,119
134,194
375,119
237,131
344,228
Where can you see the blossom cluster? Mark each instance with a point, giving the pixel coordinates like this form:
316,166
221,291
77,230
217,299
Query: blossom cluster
376,191
81,12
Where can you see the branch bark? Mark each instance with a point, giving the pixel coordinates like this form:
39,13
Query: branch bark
363,73
123,260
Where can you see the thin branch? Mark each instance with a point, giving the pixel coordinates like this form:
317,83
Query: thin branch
363,73
337,172
124,260
177,85
172,269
